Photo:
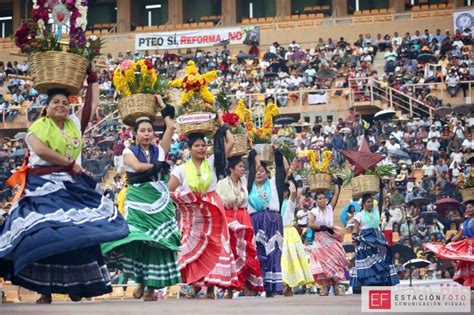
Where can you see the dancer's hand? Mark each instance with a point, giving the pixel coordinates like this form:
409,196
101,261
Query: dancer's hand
77,169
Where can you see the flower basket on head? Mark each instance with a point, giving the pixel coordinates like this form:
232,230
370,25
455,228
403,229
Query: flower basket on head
266,152
203,122
137,83
466,183
319,178
365,184
55,63
232,120
57,69
197,102
467,194
258,123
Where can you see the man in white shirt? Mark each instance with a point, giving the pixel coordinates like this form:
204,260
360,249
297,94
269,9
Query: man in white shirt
433,145
433,132
302,216
397,133
428,169
392,145
396,40
468,142
452,83
456,156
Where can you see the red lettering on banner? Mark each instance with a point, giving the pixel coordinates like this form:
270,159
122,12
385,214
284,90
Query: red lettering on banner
235,35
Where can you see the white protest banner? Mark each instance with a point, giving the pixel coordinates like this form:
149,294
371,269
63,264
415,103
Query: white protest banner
463,20
198,38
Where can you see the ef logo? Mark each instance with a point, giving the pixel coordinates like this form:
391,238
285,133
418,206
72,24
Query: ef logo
380,300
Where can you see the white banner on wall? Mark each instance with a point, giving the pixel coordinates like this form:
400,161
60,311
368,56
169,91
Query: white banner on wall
198,38
463,20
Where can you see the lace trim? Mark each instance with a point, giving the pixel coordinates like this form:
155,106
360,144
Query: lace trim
270,245
155,207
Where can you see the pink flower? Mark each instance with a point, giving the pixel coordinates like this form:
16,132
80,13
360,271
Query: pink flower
126,64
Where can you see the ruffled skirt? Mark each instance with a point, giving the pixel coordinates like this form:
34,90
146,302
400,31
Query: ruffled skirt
242,244
205,256
268,229
373,261
51,236
461,251
149,254
295,267
328,258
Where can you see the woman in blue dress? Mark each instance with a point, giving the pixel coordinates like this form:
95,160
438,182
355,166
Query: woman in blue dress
53,231
373,258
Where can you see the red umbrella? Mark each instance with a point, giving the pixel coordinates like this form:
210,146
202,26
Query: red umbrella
362,159
445,204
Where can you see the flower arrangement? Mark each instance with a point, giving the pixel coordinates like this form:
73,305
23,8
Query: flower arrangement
133,77
37,36
196,95
466,179
233,121
259,127
319,161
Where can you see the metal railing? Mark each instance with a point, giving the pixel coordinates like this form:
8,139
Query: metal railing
381,95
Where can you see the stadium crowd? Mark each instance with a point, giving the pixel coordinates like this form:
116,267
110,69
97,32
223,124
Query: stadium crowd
432,155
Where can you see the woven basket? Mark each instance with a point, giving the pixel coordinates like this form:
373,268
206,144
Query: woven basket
265,152
137,105
320,182
365,184
467,194
57,69
240,148
208,128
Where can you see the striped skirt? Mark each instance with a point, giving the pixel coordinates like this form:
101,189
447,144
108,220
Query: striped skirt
242,243
373,261
295,267
149,254
328,258
268,229
51,236
205,256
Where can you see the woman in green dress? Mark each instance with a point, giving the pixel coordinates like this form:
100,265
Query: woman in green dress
149,254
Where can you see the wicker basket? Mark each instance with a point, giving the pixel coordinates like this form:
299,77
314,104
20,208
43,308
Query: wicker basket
57,69
467,194
365,184
320,182
265,152
240,148
208,128
137,105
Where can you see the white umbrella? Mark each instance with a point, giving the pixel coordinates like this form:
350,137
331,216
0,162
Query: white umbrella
20,135
384,114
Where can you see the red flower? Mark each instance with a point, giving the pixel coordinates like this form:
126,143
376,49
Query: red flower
22,31
230,119
149,64
40,14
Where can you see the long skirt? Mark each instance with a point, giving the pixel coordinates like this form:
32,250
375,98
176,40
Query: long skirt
242,244
328,258
373,261
52,236
205,257
462,252
268,229
149,254
295,267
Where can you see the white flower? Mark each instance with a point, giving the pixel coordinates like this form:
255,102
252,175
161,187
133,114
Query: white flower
41,25
93,38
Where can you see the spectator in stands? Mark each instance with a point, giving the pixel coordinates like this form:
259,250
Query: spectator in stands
452,83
